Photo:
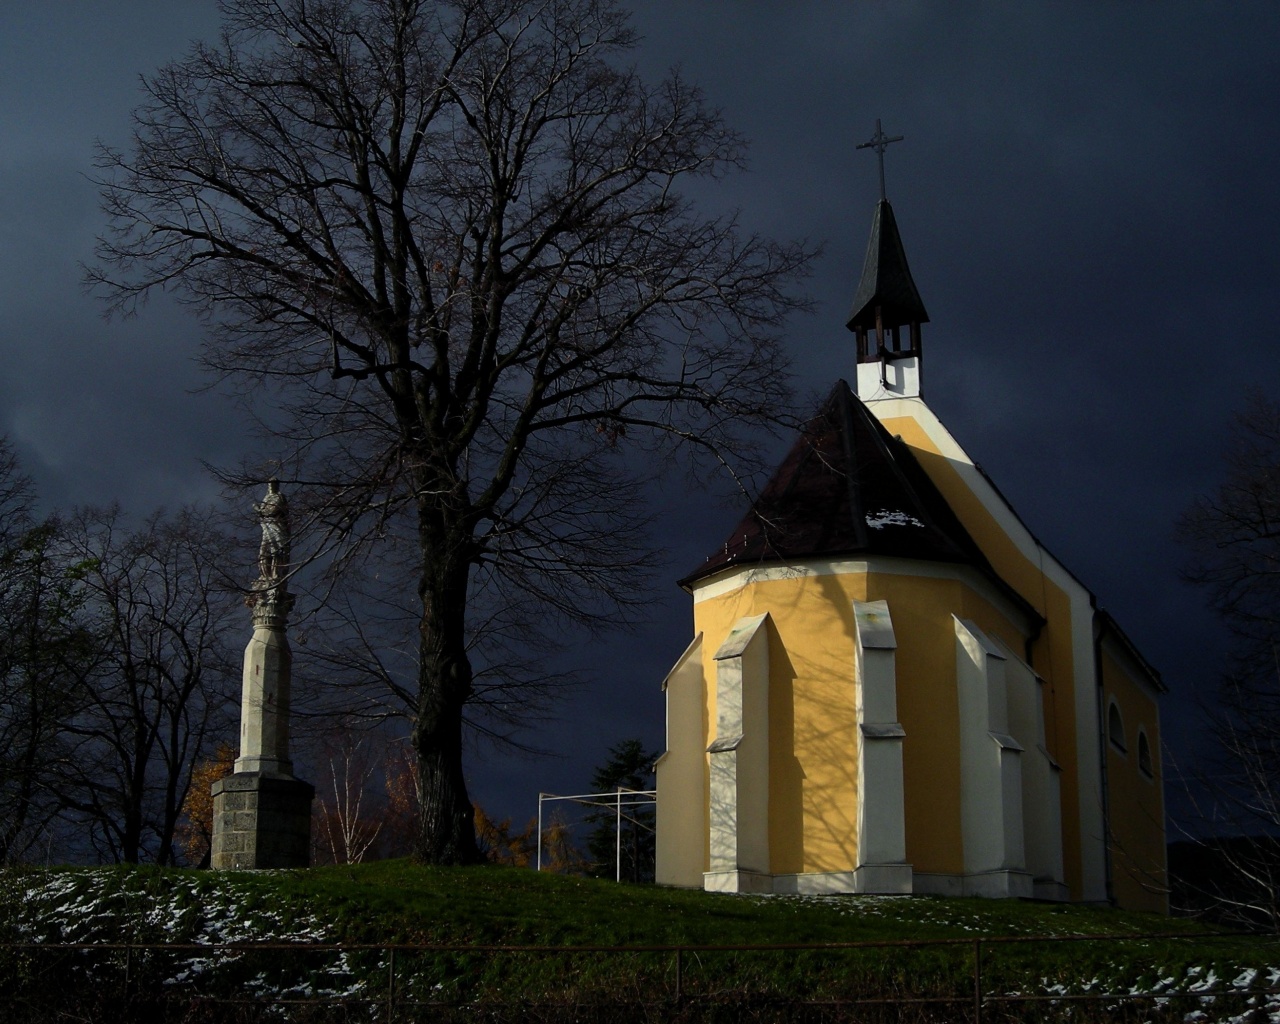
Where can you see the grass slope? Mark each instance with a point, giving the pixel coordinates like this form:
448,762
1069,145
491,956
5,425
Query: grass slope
399,903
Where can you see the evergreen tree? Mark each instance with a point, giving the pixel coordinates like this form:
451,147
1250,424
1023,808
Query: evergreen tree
629,767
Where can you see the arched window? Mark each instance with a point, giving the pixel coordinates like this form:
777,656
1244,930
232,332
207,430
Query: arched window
1144,755
1115,728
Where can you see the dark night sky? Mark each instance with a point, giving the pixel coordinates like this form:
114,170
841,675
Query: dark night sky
1087,193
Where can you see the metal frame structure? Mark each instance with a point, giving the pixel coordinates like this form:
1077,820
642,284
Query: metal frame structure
634,798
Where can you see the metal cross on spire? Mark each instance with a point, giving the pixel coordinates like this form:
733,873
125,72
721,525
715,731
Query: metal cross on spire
880,142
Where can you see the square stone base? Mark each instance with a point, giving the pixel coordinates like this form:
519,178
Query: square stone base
261,821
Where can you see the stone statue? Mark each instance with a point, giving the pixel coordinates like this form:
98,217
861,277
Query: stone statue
273,515
262,812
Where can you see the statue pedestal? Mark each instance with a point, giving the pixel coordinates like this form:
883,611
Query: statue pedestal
261,820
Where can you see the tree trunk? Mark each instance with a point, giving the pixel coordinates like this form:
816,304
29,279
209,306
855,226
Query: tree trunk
446,820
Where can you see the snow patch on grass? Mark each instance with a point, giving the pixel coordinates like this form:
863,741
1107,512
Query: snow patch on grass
187,909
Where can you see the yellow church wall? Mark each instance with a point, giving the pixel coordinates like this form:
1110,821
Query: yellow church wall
812,714
928,706
928,709
1136,800
1052,653
682,848
812,717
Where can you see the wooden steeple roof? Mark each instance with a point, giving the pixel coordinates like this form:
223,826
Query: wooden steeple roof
886,290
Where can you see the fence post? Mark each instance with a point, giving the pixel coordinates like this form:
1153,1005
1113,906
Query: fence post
977,981
128,964
679,974
391,985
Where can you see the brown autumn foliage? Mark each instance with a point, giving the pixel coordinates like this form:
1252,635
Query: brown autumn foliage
559,854
195,830
500,845
400,814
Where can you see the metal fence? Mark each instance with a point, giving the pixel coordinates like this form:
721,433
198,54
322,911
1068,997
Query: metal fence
408,981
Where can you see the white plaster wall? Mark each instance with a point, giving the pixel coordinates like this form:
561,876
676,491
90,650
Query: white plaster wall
723,838
739,754
681,844
881,820
901,379
1041,797
881,828
753,764
1015,850
990,773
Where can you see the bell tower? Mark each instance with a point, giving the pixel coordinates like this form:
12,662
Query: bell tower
887,309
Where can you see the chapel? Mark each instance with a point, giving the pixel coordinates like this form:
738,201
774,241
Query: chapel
893,687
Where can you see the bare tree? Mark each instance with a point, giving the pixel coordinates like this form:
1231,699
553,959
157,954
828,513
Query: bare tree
45,655
358,649
164,684
448,240
346,824
16,494
1233,539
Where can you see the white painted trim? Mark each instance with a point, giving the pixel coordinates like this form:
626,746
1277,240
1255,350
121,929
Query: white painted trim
933,883
874,625
737,577
1012,525
884,878
695,645
739,638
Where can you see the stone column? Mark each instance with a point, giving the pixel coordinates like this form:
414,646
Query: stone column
261,813
264,690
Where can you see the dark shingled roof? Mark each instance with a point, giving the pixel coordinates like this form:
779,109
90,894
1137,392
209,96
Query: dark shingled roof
886,279
848,488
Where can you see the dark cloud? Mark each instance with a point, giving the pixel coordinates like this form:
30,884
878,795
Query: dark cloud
1087,196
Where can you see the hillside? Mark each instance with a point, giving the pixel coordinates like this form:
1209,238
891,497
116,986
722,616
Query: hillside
372,907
